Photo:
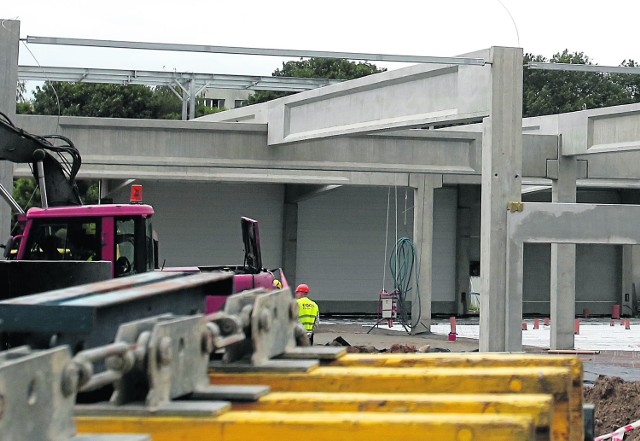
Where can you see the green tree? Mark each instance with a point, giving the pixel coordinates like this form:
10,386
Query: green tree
630,82
101,100
20,91
24,108
165,103
95,100
329,68
549,92
26,192
202,110
22,105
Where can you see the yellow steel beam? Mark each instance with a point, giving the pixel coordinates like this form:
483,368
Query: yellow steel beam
318,426
474,360
539,406
547,380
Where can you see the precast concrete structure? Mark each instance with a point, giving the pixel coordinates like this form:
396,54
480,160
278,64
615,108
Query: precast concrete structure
337,175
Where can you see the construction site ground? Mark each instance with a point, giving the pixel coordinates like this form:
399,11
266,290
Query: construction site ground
609,350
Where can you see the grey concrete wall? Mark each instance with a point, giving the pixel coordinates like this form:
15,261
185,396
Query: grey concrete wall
9,40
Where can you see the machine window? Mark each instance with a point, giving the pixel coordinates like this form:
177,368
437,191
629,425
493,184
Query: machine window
65,239
125,247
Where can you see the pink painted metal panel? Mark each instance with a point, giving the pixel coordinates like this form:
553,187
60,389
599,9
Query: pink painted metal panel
241,282
187,269
22,248
214,303
107,248
92,210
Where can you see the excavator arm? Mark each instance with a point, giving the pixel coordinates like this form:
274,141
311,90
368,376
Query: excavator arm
53,166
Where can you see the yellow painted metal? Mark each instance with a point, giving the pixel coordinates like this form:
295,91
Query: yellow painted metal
539,406
555,381
318,426
473,360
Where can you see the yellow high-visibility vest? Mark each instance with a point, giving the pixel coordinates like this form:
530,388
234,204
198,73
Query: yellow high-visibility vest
308,313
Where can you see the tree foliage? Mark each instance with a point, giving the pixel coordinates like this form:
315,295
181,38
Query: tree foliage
550,92
22,104
630,82
21,90
26,193
329,68
95,100
105,100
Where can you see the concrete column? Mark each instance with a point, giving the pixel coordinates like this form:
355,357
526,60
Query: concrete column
185,105
192,99
627,279
290,242
635,277
423,241
9,44
563,261
467,197
462,260
630,265
501,183
103,189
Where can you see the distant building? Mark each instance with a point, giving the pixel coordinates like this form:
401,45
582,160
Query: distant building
226,98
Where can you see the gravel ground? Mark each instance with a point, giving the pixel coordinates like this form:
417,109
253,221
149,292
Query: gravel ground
359,332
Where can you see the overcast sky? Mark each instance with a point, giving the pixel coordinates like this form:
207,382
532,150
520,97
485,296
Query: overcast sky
604,31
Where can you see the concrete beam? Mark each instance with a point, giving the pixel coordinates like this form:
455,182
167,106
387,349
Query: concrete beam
197,146
609,129
606,140
298,193
541,222
415,96
198,151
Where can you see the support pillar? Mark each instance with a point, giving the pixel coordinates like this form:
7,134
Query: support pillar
634,286
501,183
290,242
103,190
192,99
628,267
185,105
423,241
563,261
9,44
463,232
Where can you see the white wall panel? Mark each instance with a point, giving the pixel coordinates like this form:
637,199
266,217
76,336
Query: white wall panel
598,282
341,242
444,244
199,223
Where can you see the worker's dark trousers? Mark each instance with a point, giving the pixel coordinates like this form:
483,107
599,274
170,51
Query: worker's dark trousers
311,339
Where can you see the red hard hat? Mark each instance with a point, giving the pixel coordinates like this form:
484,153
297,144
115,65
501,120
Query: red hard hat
303,287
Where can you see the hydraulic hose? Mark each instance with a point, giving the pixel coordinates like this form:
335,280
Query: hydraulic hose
402,261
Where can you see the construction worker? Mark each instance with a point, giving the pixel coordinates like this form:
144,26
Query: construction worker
308,312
